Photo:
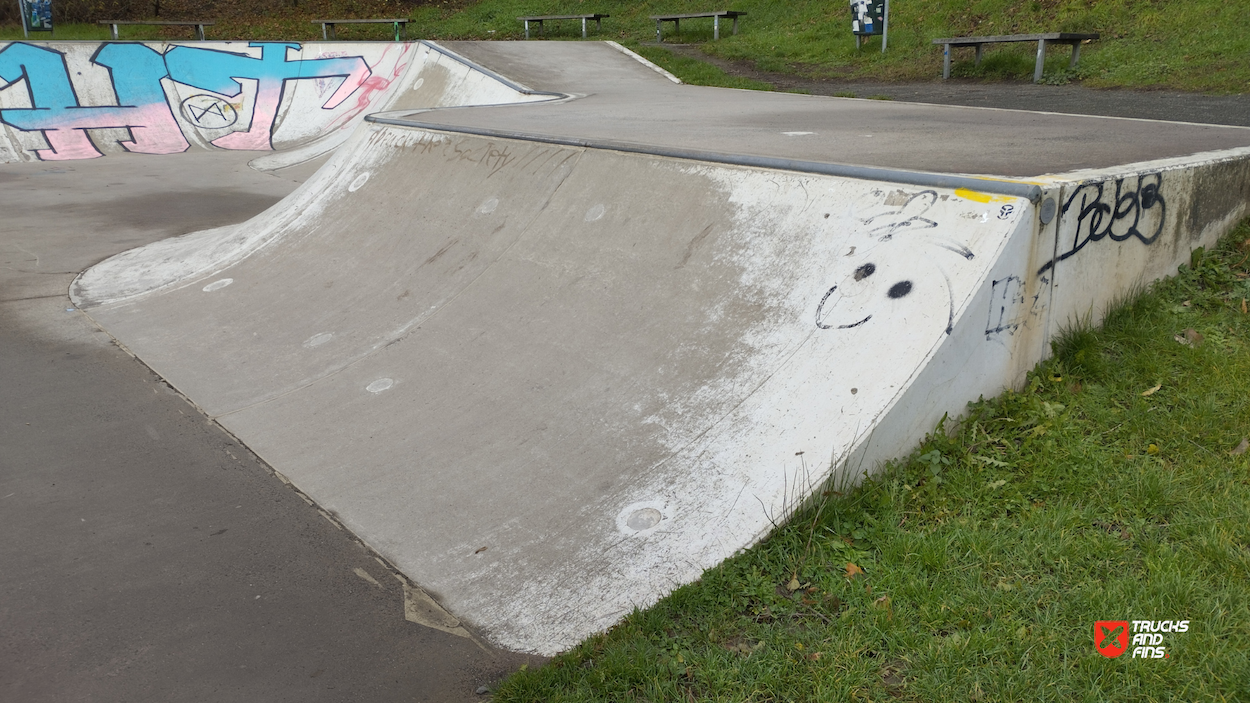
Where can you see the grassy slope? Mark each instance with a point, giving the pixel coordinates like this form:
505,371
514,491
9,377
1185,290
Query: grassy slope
989,554
1181,44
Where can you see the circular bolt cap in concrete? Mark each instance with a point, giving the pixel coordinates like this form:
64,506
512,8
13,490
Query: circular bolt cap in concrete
359,183
380,385
1048,211
640,518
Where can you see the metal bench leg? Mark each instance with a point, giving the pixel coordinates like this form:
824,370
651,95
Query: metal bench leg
1041,61
599,25
1076,54
676,26
716,28
396,31
527,28
735,25
114,31
979,46
946,61
658,36
199,31
583,28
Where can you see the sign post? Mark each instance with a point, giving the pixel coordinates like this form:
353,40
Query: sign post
36,16
870,18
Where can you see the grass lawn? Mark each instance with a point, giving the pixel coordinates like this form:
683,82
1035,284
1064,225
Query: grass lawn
1198,45
1114,486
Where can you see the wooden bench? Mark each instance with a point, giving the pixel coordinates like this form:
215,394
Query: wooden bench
199,26
676,20
539,20
327,26
1041,39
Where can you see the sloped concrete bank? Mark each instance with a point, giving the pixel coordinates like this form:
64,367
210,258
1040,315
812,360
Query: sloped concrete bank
552,380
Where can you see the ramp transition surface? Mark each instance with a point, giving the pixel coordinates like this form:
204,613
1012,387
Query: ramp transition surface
553,381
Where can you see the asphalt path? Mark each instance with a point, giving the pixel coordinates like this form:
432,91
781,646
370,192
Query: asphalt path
148,555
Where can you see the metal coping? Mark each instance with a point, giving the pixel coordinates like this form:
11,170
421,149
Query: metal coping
1014,189
482,69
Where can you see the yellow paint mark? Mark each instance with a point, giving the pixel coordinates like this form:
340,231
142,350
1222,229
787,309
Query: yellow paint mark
973,195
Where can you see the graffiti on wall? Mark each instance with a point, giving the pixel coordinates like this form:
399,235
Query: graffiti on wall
232,97
889,272
1133,208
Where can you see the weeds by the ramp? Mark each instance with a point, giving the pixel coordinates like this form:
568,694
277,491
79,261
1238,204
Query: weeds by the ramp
1115,485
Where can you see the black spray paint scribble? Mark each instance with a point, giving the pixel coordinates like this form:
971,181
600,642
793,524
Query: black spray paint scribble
1007,313
1103,212
910,221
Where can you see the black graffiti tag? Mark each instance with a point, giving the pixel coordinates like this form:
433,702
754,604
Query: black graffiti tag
1102,213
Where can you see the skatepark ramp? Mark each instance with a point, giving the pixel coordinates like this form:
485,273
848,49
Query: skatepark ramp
554,375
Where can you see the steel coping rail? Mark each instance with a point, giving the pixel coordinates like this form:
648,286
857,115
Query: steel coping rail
1014,189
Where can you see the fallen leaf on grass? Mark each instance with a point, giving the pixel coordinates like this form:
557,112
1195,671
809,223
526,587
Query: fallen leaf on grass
1241,448
793,585
882,602
1151,391
1190,338
852,570
1243,307
996,484
1152,449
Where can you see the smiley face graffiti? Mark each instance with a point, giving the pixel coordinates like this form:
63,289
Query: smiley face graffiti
897,271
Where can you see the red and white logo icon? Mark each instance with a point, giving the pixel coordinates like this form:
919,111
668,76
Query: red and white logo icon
1111,637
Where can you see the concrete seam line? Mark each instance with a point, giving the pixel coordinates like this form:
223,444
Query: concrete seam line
482,69
1015,189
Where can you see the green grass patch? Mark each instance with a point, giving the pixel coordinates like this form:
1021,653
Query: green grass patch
1108,488
1198,45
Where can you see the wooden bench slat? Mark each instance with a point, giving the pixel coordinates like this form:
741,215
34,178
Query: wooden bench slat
1000,39
565,17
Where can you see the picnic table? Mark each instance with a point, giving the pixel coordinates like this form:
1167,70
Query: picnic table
598,18
1072,38
676,20
199,25
329,24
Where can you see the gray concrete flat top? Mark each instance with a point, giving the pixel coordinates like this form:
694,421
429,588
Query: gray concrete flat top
625,101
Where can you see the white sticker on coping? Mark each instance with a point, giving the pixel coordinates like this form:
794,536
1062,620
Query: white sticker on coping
380,385
595,213
218,285
359,183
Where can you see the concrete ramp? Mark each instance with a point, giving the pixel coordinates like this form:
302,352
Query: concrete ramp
551,379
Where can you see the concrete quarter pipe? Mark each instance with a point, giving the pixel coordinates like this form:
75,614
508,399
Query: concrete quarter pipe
554,360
